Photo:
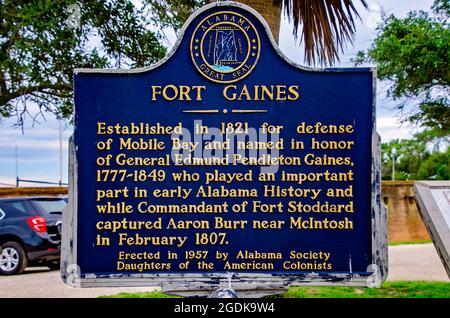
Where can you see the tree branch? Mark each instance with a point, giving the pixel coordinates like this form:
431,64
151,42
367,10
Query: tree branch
25,90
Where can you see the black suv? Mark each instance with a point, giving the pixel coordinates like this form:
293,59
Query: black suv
30,232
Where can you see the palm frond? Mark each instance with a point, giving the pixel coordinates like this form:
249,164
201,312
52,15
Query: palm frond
327,25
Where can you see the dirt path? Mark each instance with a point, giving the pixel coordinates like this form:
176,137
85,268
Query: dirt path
415,262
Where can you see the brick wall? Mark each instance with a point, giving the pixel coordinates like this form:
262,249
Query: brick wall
404,221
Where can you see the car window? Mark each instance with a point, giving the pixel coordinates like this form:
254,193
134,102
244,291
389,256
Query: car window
17,208
50,206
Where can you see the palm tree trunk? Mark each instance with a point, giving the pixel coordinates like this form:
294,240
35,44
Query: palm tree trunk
270,10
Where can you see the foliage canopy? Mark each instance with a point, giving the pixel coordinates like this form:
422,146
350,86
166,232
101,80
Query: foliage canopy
413,54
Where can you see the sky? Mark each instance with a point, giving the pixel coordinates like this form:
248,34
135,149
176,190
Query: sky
38,143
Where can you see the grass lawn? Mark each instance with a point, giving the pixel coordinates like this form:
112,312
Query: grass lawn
410,242
404,289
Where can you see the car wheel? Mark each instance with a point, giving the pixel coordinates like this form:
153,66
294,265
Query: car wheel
53,265
13,259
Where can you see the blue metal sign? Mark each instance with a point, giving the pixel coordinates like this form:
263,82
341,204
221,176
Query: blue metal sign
225,160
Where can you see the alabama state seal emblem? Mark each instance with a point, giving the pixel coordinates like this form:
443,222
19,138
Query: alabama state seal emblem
225,47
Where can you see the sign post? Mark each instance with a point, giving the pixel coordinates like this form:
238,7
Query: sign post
224,164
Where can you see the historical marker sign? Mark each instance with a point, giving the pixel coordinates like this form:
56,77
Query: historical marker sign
225,160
